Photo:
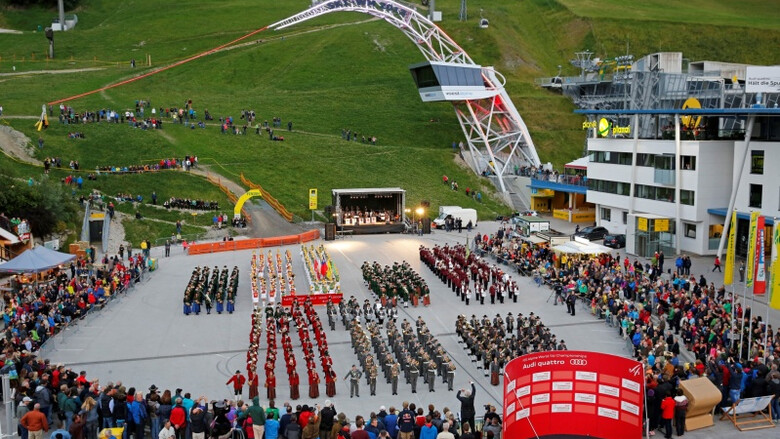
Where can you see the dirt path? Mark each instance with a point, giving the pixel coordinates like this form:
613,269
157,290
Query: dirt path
17,145
53,72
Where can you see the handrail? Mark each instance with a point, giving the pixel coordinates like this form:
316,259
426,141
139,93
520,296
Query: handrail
216,181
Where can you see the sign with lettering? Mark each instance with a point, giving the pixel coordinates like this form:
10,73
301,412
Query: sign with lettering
661,225
762,79
573,394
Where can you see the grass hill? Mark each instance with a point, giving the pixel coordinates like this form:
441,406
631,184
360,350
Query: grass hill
339,71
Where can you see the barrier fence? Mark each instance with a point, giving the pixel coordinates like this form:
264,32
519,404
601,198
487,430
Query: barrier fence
216,181
273,202
246,244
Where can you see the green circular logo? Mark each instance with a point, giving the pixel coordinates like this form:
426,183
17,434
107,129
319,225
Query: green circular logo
604,126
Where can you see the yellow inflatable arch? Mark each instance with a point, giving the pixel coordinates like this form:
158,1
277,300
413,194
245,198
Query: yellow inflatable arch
240,203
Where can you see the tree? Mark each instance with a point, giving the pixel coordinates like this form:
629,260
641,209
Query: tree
46,204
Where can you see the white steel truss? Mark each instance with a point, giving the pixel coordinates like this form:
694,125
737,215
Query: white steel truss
497,137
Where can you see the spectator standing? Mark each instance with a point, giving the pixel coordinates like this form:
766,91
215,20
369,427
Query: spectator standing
667,414
35,423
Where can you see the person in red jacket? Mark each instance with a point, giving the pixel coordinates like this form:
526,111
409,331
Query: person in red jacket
179,419
238,381
667,414
314,384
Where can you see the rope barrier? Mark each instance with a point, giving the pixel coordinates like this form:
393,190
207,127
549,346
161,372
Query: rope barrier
161,69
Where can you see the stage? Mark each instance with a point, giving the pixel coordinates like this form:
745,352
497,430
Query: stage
369,211
373,229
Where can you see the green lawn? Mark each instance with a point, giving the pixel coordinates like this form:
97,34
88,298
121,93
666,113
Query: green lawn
743,13
324,79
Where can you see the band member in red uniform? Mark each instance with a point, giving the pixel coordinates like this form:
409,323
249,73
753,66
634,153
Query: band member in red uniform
253,383
330,382
238,381
314,384
295,381
270,385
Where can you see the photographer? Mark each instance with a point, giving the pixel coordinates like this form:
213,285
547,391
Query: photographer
490,414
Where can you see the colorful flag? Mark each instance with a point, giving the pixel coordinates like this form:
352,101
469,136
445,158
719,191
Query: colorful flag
324,267
728,275
760,284
751,254
775,286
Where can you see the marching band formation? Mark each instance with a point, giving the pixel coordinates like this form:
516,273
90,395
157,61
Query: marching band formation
202,292
271,278
280,319
493,343
397,282
460,269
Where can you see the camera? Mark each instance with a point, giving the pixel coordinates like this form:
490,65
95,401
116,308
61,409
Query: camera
487,407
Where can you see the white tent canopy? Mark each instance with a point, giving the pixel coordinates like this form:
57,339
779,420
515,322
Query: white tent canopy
581,248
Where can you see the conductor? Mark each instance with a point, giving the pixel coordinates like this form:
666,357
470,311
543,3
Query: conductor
466,399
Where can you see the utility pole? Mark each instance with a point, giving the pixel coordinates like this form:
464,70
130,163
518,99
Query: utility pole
61,5
464,15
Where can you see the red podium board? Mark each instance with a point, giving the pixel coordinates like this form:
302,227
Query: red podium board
573,394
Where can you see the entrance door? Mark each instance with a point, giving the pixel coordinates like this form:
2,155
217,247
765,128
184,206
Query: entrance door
641,244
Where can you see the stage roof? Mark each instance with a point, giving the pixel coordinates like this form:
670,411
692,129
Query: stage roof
384,190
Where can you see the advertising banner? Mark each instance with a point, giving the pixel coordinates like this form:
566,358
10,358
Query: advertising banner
573,394
762,79
751,260
728,274
759,287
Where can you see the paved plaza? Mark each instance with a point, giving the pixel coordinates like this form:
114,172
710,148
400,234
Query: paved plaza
144,338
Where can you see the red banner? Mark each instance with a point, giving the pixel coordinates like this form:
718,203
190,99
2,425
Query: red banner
316,299
759,287
573,394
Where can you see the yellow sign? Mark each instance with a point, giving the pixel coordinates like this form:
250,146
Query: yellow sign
641,224
691,121
604,125
588,124
242,199
313,199
728,274
661,225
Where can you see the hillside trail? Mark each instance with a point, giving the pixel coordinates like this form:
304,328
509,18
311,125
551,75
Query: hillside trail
53,71
266,222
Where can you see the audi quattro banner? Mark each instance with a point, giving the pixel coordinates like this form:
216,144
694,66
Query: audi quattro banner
571,394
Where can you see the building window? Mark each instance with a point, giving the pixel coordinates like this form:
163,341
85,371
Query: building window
617,158
688,162
642,191
686,197
665,162
625,217
664,194
606,214
755,195
757,162
645,160
690,230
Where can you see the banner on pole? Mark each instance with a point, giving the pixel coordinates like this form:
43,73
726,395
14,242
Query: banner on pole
760,284
751,259
775,285
728,275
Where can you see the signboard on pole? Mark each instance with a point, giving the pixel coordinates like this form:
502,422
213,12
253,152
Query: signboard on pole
573,393
313,199
661,225
762,79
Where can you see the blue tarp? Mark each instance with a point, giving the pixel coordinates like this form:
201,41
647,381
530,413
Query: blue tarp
36,260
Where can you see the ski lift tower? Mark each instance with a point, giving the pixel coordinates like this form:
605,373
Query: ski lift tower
497,136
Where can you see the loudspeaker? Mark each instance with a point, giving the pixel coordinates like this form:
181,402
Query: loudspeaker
330,231
426,225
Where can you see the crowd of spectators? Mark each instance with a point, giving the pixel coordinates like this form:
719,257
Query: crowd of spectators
35,312
660,315
188,203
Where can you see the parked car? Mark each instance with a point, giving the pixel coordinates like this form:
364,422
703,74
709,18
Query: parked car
593,233
615,241
529,213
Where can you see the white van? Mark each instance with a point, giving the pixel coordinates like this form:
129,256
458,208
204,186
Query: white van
455,212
